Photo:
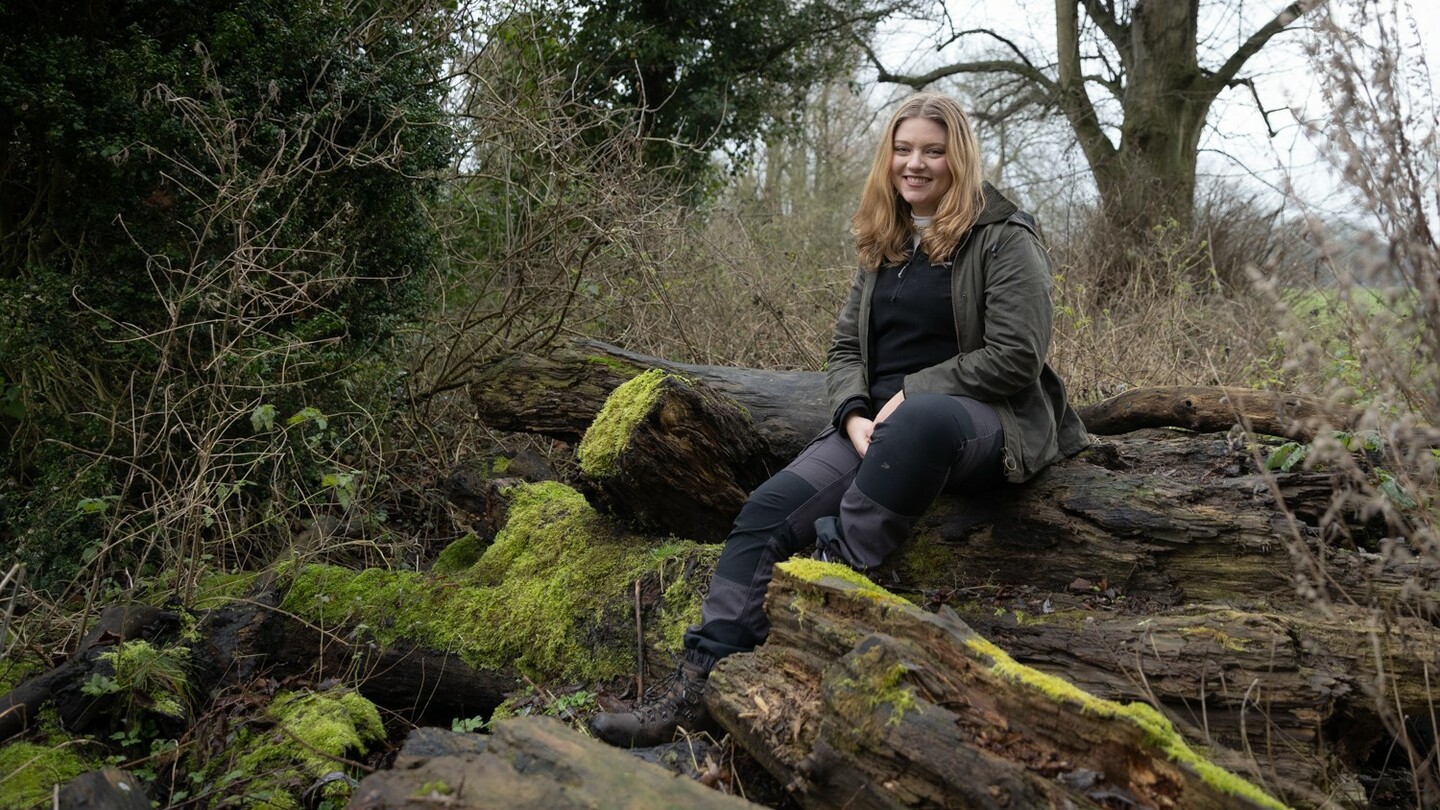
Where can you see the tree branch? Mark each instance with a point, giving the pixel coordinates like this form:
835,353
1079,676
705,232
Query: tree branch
1117,32
1227,72
1070,91
1021,66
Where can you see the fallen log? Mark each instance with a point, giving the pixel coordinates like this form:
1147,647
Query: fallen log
559,395
249,639
1301,694
1163,515
1208,409
860,699
20,707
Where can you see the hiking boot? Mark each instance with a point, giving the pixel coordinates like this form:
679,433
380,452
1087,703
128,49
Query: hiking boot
682,705
828,541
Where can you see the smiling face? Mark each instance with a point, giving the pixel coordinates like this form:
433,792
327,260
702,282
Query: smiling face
917,165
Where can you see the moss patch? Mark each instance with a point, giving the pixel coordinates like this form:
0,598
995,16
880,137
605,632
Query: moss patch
15,671
1156,727
613,364
609,434
552,595
459,555
680,603
809,570
150,678
29,772
879,685
312,730
1220,637
925,556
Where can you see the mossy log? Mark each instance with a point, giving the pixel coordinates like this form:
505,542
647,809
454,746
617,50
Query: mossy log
560,394
250,639
673,455
1298,693
528,763
860,699
1165,515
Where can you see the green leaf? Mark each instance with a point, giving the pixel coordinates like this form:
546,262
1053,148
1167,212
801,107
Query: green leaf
1393,490
1286,456
93,506
308,415
263,418
100,685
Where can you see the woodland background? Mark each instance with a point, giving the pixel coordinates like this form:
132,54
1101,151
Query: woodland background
252,254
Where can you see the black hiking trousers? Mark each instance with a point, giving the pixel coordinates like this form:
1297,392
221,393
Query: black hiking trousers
931,443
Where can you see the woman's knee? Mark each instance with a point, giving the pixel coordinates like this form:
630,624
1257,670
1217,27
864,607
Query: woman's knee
930,421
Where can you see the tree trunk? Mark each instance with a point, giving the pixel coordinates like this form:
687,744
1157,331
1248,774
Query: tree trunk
559,395
1145,57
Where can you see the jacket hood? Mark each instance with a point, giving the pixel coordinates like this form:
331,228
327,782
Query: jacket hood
998,207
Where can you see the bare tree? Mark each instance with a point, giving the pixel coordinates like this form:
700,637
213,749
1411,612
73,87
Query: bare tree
1142,58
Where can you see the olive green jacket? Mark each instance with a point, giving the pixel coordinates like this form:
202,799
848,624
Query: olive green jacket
1000,288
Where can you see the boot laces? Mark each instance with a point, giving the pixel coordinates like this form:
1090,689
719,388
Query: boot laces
681,695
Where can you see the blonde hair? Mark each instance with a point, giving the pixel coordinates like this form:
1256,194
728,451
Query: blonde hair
882,225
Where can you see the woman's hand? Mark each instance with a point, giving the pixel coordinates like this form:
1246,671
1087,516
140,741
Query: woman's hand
858,428
890,407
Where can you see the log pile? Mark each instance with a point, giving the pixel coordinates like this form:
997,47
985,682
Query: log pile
1162,565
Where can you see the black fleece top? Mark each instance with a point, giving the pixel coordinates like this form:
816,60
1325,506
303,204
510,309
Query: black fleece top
912,321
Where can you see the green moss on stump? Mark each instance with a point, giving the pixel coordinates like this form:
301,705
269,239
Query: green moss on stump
312,731
609,433
151,678
29,772
1157,728
551,596
808,570
459,555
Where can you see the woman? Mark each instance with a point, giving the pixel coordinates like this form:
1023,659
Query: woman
937,381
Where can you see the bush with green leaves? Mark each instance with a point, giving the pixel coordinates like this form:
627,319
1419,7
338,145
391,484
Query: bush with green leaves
205,207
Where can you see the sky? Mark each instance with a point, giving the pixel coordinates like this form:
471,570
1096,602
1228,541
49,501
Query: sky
1237,145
